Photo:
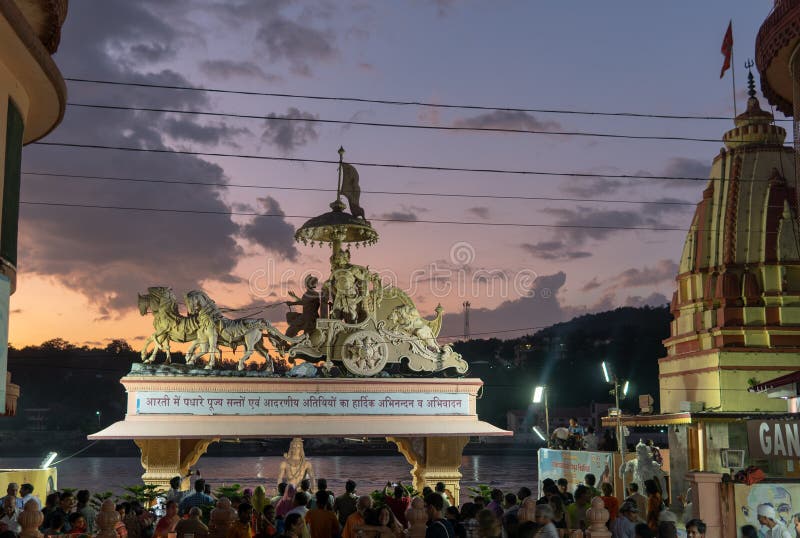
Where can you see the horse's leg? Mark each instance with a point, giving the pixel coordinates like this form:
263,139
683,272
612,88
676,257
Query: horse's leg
168,360
249,347
190,358
156,347
143,353
211,341
259,347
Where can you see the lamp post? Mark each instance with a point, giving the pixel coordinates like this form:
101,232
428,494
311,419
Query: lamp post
98,417
540,393
613,379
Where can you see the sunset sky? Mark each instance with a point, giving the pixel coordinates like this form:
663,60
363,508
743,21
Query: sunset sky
80,268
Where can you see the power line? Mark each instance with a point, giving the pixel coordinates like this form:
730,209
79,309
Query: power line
383,165
418,221
399,125
320,189
399,102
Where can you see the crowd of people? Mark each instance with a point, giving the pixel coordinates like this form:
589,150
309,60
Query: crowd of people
297,512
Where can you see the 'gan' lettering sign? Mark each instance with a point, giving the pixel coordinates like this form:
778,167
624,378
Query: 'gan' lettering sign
301,403
773,439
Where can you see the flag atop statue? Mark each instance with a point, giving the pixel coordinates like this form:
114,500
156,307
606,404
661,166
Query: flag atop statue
727,49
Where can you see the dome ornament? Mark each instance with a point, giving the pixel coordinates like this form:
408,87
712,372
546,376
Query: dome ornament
751,83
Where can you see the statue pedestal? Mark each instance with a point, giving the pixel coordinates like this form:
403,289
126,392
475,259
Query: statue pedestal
164,459
434,459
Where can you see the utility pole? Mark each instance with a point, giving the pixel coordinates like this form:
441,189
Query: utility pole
466,306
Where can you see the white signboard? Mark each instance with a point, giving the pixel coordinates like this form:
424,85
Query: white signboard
301,403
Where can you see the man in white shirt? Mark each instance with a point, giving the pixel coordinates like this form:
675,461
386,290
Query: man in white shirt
10,512
26,490
768,518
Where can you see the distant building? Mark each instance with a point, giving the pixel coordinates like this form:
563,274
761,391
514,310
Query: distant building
32,101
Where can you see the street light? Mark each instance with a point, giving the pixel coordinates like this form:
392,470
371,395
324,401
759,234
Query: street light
537,432
615,391
51,456
539,394
98,417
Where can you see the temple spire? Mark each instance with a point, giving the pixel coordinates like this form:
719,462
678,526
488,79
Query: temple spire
751,83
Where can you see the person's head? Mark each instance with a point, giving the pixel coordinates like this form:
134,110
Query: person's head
305,484
497,495
12,489
172,509
9,505
434,504
650,487
695,528
175,482
399,492
26,489
364,503
563,484
247,494
77,521
544,514
426,491
629,510
224,503
281,488
235,501
66,501
293,524
245,512
547,482
511,500
590,429
607,489
633,487
349,486
487,523
582,495
384,516
479,501
300,499
440,487
643,531
51,500
468,511
796,520
749,531
322,499
56,521
551,490
199,485
122,509
207,489
451,512
573,421
590,480
667,529
767,515
82,497
322,484
195,512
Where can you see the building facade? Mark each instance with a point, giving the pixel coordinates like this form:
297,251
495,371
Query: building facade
32,101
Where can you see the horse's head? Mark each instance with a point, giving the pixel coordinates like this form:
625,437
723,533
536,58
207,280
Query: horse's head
144,303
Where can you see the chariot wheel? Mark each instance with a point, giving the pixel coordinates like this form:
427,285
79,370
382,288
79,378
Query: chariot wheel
364,353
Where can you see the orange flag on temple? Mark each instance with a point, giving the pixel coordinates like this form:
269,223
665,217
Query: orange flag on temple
727,49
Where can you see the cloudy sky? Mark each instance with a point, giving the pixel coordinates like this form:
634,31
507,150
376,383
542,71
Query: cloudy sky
80,268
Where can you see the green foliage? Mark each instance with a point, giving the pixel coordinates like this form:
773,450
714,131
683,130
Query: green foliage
483,490
752,382
97,499
234,490
145,494
379,496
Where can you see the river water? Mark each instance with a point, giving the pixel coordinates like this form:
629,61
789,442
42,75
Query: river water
507,472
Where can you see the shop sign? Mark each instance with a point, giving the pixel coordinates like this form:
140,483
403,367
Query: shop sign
774,439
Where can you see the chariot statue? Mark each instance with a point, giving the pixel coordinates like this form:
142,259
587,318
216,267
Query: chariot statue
353,320
644,467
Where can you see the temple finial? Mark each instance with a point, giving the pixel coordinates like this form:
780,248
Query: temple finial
751,83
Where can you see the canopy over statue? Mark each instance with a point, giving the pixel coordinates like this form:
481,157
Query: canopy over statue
353,319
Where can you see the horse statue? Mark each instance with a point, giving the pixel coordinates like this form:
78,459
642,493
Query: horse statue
644,467
215,329
168,324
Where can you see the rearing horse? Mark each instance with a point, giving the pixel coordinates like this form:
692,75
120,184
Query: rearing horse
168,324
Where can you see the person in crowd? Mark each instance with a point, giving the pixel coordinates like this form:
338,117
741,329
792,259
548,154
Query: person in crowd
636,497
438,526
480,502
322,485
510,505
167,523
64,508
356,519
77,523
50,504
236,500
496,503
441,489
768,518
576,512
559,512
590,440
527,529
345,504
642,530
590,480
667,525
267,525
286,503
468,520
608,444
695,528
300,504
654,504
26,490
192,524
523,493
259,500
119,526
56,526
321,520
10,513
281,490
609,501
625,525
544,518
241,527
575,428
247,496
380,523
796,524
563,490
221,518
655,452
174,492
293,526
12,490
748,531
548,485
131,520
198,498
85,509
398,503
426,491
488,524
452,515
305,489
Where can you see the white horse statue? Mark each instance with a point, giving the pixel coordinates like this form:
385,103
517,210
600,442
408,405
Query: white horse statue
644,467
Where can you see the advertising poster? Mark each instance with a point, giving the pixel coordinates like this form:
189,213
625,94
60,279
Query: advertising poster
785,498
574,465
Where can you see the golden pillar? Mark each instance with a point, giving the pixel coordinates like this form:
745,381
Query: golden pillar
163,459
434,459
